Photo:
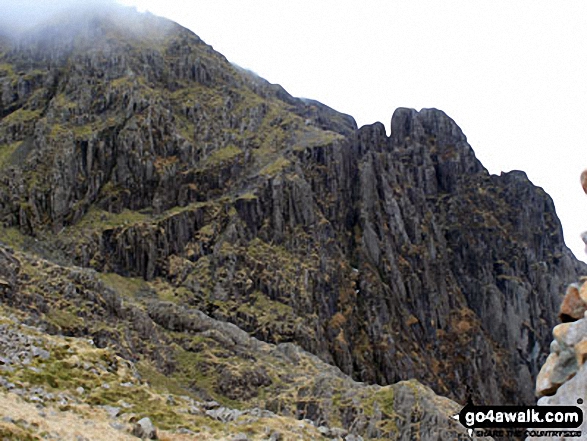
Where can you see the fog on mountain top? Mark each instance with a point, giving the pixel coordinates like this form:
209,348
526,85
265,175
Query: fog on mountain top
18,16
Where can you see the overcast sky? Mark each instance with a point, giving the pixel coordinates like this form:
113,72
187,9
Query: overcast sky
512,74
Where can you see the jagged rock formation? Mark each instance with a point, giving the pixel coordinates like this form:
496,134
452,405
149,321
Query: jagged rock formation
177,361
568,350
146,154
562,379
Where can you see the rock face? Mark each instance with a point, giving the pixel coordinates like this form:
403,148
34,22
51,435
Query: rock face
563,377
177,362
148,155
568,350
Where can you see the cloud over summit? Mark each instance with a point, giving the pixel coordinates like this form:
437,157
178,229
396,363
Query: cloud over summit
21,15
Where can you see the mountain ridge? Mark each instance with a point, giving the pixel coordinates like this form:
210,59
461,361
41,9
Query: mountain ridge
392,257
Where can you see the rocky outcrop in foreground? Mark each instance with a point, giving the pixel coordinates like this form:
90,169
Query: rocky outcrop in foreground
185,375
563,377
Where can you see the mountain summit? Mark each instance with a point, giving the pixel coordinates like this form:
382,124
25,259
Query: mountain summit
171,198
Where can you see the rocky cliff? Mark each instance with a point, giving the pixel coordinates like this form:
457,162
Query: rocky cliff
130,147
563,378
192,376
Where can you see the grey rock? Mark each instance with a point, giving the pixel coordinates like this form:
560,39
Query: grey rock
259,413
325,431
194,410
337,432
224,414
40,353
118,426
211,405
112,411
144,429
568,394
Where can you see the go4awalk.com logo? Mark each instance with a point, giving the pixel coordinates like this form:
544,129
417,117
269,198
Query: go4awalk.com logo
515,420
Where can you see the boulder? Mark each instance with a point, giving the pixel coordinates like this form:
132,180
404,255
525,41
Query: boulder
573,306
145,429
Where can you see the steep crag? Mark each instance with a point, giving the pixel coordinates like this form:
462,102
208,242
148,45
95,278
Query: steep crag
148,155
